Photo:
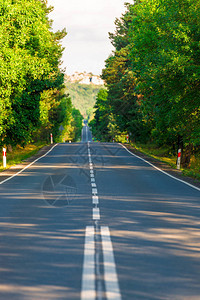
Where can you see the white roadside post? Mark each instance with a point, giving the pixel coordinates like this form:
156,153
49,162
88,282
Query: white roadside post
127,138
51,138
179,159
4,157
113,140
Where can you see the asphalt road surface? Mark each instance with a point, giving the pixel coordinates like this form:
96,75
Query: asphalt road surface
91,221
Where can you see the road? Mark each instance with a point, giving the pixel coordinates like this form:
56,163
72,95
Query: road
92,221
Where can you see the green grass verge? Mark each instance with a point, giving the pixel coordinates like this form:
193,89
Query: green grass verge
19,154
164,155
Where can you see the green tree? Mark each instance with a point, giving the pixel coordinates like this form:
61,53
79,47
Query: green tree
77,122
121,82
101,119
30,56
164,47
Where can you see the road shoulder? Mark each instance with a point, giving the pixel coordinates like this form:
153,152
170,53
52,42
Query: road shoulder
19,167
163,166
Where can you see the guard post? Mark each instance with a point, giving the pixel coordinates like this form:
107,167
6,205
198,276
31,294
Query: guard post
4,157
179,159
51,138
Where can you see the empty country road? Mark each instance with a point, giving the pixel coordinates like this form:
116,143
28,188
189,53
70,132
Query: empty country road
91,221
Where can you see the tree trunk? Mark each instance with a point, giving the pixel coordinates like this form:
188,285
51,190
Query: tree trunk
187,156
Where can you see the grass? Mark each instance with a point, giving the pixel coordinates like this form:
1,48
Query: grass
19,154
194,170
164,154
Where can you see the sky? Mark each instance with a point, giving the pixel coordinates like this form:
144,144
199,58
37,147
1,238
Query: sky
87,22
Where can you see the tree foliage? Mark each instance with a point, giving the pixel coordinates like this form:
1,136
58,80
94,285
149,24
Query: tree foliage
164,50
101,118
77,121
121,82
31,82
153,75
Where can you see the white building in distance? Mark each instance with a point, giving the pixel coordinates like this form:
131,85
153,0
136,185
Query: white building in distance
85,78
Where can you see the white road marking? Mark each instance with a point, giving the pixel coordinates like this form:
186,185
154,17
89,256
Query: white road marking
94,191
91,164
191,185
90,161
96,214
28,165
95,199
88,277
86,133
110,275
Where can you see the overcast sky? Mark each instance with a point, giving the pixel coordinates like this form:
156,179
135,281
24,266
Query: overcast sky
87,23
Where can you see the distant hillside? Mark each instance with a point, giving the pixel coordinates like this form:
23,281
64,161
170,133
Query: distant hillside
83,96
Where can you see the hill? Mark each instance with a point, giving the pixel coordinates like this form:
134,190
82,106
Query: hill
83,95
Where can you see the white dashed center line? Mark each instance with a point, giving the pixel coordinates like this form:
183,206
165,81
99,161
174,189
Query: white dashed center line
95,199
92,286
96,214
94,191
110,274
88,291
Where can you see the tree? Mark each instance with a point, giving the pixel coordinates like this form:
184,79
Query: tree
77,122
30,56
164,53
153,77
121,81
101,116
